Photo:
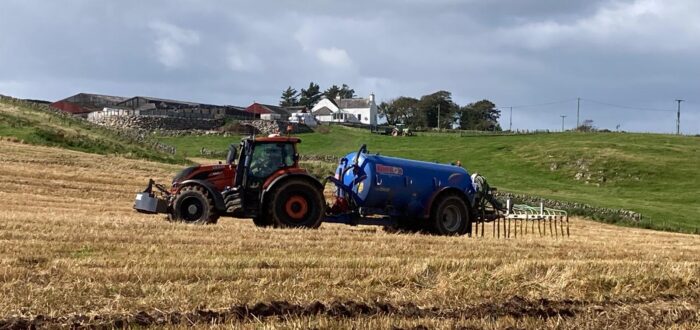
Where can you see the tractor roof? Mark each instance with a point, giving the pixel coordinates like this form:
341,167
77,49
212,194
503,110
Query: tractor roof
288,139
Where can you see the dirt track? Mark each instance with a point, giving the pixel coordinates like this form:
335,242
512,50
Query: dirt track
516,307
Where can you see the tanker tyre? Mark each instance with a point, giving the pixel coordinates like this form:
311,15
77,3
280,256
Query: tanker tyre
450,216
194,205
297,203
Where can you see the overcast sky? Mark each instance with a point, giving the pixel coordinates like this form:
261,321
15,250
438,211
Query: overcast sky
640,54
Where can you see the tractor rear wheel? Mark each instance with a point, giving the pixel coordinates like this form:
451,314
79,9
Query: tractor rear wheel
194,205
297,203
450,216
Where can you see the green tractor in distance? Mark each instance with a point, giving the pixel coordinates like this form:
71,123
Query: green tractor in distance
401,130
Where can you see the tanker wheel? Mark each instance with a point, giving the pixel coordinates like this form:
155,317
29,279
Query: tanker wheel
297,204
450,216
194,205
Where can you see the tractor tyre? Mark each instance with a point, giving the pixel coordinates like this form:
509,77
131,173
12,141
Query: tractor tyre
263,219
297,203
450,216
194,205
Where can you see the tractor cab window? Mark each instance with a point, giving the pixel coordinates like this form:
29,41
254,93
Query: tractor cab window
270,157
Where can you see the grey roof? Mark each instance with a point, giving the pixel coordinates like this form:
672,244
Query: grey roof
323,111
277,109
148,98
235,107
104,98
297,108
353,103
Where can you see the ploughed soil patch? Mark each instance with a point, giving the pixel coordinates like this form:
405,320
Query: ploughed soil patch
515,307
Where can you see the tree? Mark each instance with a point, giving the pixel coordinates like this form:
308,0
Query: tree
290,97
439,103
332,92
480,116
310,95
399,111
345,92
586,126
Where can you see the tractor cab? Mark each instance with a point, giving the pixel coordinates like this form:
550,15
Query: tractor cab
261,160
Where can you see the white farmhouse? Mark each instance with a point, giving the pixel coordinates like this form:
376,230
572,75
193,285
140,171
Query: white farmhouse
354,110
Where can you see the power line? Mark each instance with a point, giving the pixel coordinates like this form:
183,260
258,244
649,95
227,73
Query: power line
562,122
578,109
678,118
510,124
626,106
540,104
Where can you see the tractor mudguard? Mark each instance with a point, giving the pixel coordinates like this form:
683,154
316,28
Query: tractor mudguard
215,194
283,177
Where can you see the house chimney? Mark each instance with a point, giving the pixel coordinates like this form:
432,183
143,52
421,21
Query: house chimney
371,98
337,97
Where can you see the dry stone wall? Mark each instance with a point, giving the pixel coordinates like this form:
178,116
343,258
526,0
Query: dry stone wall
156,123
276,126
574,208
194,126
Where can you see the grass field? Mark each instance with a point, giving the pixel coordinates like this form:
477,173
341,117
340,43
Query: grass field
20,121
73,252
655,175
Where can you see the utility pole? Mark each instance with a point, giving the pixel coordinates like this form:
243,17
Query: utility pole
578,108
562,122
510,123
678,117
438,121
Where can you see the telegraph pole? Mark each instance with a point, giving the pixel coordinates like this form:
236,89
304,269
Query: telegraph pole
438,121
678,117
510,123
562,122
578,107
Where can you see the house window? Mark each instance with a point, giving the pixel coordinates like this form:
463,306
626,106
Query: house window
359,117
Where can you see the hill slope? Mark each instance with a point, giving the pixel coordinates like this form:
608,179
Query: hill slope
656,175
35,124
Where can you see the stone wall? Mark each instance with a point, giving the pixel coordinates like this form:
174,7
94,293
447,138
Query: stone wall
574,208
268,127
153,123
193,126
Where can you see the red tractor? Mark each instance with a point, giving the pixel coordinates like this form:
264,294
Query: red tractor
263,182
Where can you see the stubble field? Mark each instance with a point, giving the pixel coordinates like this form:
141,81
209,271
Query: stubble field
72,252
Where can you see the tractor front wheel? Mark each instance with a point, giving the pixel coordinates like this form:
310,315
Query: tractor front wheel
194,205
262,220
297,204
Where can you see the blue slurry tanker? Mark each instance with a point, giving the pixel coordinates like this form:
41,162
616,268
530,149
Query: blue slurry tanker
402,193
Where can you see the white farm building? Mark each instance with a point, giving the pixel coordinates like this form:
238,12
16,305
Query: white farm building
354,110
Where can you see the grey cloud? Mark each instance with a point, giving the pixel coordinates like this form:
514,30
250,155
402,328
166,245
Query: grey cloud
641,53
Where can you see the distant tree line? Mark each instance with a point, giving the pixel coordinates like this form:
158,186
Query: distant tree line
439,106
310,95
423,112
